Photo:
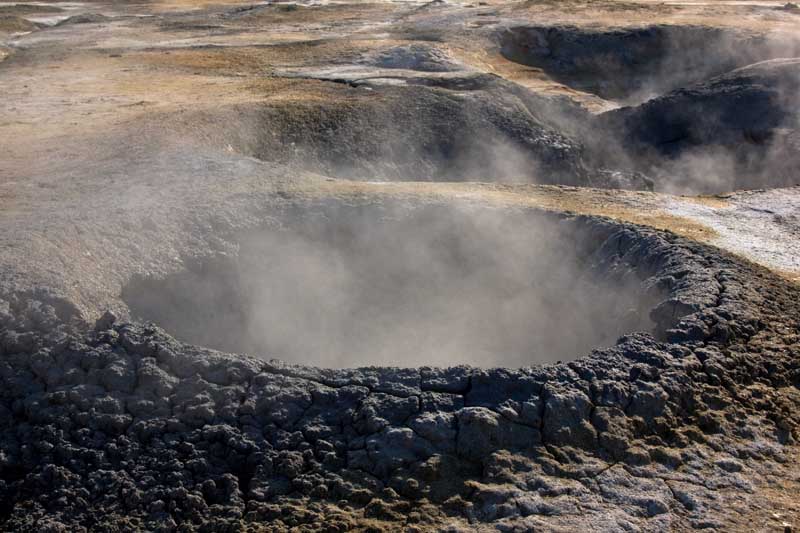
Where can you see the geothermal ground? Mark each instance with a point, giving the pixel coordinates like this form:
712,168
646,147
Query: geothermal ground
399,266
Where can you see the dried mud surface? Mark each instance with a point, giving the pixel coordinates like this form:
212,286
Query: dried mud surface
140,139
128,428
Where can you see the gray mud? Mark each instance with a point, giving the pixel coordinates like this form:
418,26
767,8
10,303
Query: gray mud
674,406
126,427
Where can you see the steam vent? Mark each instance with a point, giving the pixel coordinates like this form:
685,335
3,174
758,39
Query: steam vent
399,266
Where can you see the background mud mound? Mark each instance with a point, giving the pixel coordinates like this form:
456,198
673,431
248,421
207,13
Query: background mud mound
633,65
355,286
412,133
419,56
15,24
88,18
464,128
130,429
740,130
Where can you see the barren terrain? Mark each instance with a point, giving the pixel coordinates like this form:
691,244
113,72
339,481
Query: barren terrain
247,251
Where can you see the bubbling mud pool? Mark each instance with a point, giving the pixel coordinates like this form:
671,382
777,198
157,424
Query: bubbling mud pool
357,286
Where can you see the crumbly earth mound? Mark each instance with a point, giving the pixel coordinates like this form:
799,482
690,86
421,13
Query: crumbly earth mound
128,429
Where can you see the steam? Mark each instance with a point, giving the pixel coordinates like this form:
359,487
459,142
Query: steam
376,286
343,286
477,129
686,140
735,131
691,55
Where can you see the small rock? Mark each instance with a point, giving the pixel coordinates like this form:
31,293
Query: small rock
106,321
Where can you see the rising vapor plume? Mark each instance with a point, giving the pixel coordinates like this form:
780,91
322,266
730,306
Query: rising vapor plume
354,286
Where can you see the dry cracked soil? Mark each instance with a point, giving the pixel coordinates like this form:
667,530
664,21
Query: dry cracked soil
399,266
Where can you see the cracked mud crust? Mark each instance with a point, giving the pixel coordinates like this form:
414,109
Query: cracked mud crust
127,428
138,140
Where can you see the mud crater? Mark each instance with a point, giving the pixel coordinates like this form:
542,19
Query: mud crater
632,65
357,286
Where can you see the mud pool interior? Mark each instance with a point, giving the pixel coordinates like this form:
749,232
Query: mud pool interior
362,286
